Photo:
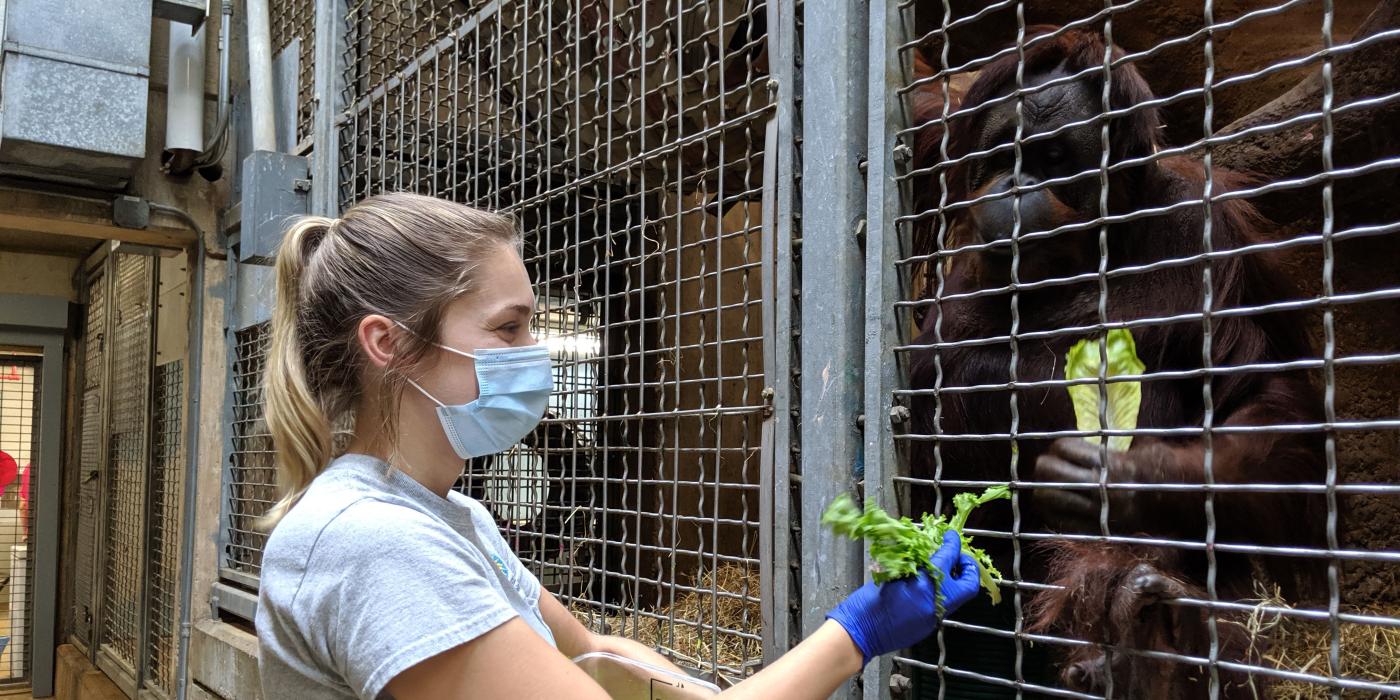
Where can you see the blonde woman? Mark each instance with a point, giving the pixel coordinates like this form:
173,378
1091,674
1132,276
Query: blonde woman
380,581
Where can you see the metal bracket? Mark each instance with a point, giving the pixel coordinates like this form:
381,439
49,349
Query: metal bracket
191,12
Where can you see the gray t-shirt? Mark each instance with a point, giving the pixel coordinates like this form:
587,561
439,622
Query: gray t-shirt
371,573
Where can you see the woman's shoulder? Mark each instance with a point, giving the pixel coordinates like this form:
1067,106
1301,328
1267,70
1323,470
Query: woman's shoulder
349,519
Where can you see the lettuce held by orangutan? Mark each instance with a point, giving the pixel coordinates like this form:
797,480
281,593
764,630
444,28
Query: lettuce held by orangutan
1124,398
900,546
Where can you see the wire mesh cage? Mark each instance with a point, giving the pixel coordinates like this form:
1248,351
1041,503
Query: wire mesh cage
627,139
19,440
1149,281
251,486
163,557
293,22
124,481
90,457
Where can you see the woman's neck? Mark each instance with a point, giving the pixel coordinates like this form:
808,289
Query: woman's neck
421,450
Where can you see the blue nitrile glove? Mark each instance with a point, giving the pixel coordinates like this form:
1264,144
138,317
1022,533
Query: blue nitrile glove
902,612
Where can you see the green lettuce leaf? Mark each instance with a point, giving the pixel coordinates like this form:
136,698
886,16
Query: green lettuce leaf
1124,398
899,546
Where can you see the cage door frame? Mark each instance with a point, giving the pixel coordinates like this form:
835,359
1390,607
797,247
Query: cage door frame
40,322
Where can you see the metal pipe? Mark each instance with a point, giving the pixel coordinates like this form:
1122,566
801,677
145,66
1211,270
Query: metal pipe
187,538
184,121
260,75
217,143
328,60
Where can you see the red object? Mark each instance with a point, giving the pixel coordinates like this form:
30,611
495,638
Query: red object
9,469
24,497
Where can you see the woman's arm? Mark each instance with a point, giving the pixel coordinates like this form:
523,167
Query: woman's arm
511,661
573,639
813,669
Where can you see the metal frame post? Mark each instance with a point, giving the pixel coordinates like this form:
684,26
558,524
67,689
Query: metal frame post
329,96
99,618
833,283
230,328
883,285
194,391
779,335
143,626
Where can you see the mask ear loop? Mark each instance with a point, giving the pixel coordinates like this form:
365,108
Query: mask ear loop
416,385
408,330
424,392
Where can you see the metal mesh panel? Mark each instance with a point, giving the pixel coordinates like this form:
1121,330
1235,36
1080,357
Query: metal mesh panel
166,493
627,140
127,458
19,441
90,457
1235,536
293,20
252,486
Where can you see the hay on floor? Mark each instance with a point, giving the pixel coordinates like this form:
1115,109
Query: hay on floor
705,624
1368,652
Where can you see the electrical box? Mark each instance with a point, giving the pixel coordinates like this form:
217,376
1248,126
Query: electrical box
276,190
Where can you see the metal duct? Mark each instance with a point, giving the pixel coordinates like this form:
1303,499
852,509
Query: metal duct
73,87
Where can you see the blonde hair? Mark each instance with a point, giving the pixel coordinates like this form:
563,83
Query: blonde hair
402,255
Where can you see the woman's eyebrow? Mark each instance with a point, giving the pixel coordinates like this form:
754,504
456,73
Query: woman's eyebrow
515,309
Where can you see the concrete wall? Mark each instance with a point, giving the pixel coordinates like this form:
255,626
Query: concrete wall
37,274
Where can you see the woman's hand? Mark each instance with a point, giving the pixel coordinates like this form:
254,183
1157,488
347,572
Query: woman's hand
901,613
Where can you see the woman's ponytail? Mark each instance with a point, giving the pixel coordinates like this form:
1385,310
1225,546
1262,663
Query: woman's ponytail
301,430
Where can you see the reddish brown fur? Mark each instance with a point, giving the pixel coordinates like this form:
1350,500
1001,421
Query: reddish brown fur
1099,602
1095,576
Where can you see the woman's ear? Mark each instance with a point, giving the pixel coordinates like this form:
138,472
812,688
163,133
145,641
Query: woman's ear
378,337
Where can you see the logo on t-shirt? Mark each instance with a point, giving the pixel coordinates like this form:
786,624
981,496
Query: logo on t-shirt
501,565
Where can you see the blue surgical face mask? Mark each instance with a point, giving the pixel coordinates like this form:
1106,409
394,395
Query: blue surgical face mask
514,385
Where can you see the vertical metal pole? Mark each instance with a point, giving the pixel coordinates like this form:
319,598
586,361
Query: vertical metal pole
775,507
882,288
330,98
1329,355
260,88
46,524
193,391
833,209
233,318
